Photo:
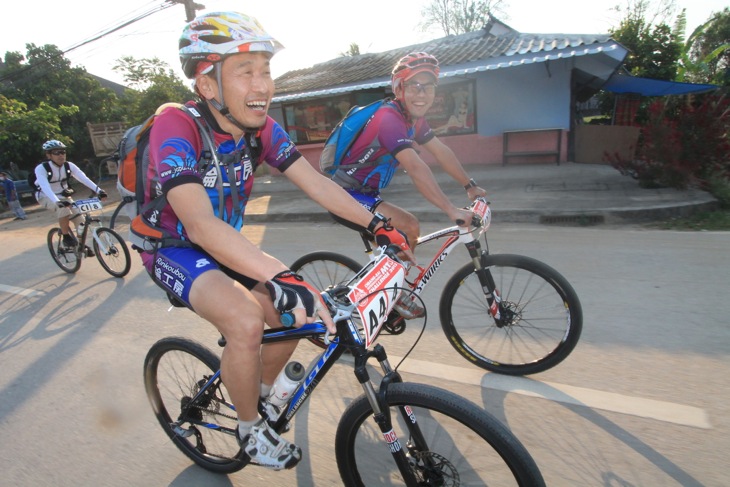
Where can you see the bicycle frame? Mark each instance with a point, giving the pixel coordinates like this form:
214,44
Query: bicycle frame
456,235
349,336
85,207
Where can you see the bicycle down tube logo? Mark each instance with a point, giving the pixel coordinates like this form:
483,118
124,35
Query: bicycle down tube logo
375,294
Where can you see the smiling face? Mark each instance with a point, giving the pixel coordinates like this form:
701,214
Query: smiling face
417,94
247,88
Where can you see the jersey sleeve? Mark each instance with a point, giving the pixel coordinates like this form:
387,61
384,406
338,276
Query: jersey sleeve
279,151
423,131
392,131
174,148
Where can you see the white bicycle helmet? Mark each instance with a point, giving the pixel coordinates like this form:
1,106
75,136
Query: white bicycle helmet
50,145
213,36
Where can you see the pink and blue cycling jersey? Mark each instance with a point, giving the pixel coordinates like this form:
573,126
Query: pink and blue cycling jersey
175,148
372,157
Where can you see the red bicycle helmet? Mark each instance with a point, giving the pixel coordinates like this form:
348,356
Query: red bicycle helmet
411,64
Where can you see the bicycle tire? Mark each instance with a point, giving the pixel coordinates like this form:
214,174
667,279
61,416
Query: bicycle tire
68,260
545,328
115,223
322,269
116,260
452,427
174,370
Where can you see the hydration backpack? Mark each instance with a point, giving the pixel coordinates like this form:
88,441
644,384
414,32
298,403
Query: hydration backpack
343,136
32,180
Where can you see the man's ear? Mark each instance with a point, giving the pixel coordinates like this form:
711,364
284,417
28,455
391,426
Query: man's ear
206,86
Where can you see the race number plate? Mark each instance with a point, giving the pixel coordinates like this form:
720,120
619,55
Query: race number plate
481,209
375,294
91,204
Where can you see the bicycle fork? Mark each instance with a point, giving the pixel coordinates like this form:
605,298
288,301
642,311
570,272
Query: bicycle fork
381,414
489,287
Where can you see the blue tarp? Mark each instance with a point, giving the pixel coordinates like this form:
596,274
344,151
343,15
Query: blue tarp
625,83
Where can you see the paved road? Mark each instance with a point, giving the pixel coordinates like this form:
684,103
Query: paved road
643,400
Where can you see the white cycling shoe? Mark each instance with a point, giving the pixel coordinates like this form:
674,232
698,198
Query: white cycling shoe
408,307
267,449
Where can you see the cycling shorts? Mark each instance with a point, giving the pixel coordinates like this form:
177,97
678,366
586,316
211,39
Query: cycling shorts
369,201
175,269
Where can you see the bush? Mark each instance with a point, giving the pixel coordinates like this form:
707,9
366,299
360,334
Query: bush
684,143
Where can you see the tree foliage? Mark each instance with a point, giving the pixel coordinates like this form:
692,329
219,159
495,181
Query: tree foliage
353,50
158,84
23,130
460,16
44,86
708,55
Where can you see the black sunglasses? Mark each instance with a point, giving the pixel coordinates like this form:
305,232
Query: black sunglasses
58,152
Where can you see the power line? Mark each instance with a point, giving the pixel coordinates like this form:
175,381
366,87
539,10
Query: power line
24,72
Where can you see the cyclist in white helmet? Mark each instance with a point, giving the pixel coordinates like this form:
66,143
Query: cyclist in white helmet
52,190
217,272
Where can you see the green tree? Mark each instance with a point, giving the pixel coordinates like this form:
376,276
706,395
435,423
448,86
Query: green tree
707,58
354,50
45,76
23,130
460,16
157,84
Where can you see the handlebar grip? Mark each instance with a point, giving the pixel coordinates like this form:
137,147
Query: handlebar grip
288,319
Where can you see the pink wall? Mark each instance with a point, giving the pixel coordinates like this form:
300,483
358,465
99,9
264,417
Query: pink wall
472,149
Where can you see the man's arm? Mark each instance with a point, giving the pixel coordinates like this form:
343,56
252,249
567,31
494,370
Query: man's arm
226,245
450,163
426,184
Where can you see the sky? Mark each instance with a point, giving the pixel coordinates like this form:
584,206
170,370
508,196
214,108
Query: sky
313,31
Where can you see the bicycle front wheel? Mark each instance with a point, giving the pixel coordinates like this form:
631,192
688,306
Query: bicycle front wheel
448,441
175,370
112,253
541,317
67,259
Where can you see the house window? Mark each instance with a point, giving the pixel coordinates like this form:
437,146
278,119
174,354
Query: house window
312,121
452,112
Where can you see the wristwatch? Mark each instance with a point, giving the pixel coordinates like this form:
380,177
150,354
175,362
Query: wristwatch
470,184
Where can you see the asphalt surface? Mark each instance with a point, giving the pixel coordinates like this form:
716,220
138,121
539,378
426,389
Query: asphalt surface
569,193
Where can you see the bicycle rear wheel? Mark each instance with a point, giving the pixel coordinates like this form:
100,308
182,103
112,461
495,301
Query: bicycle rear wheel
67,259
175,370
112,254
323,268
459,443
120,220
542,316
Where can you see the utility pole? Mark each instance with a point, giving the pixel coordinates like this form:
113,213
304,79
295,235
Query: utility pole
190,8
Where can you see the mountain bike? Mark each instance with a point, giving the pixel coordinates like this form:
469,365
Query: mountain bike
110,249
410,434
506,313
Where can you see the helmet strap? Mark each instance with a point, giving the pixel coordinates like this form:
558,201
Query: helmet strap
221,106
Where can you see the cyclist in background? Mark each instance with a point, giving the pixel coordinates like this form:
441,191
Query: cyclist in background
53,191
388,141
215,270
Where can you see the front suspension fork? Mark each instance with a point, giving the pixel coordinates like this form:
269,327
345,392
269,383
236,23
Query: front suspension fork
489,287
381,412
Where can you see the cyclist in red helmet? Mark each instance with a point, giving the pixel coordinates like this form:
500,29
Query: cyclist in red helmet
214,269
388,142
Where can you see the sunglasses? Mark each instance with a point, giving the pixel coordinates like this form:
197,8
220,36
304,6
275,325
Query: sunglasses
58,152
415,88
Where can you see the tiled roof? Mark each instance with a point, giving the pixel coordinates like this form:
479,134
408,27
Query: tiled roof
470,50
